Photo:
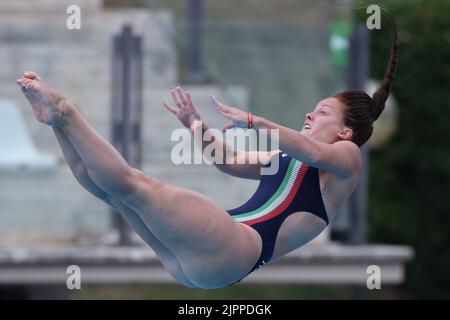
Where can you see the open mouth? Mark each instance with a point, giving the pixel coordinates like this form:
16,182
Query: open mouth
307,127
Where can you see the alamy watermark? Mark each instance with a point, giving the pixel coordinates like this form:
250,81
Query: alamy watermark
374,21
73,281
73,21
373,9
189,147
374,278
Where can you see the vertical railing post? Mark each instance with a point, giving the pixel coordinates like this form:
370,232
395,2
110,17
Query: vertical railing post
358,75
195,41
126,108
358,202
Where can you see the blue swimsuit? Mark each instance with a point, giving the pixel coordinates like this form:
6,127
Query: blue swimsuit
295,187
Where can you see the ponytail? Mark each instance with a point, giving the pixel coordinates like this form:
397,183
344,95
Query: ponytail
362,110
381,94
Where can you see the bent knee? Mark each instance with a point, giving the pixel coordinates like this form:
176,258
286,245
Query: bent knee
209,276
175,270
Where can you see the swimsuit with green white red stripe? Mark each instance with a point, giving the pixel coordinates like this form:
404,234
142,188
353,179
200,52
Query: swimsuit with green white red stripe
294,187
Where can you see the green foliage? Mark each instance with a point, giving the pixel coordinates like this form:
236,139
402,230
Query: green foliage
410,177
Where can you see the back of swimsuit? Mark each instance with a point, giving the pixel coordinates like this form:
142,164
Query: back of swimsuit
295,187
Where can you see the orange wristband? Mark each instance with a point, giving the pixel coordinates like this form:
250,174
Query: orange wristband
250,120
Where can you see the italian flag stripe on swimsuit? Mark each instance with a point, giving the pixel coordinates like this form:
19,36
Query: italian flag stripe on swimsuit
281,199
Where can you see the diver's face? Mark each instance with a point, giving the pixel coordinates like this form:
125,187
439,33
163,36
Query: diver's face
326,122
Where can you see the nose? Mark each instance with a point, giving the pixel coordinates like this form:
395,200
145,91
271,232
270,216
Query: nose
310,116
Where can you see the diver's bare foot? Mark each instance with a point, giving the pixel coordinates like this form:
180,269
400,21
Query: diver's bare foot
48,105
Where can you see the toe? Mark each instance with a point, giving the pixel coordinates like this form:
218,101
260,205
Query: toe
32,75
28,85
32,86
25,83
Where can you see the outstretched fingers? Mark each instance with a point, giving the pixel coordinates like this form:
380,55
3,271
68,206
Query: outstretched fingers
181,95
182,98
170,108
219,105
189,99
175,97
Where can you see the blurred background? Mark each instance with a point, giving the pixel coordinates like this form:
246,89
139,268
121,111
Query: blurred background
274,58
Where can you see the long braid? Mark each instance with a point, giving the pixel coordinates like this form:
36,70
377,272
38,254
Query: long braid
363,110
381,94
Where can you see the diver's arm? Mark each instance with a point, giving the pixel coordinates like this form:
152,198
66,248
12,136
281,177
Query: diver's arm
238,163
342,158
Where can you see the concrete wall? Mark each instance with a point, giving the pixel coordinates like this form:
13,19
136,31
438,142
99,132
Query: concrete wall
49,207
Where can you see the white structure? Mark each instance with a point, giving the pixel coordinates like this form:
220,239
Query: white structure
17,148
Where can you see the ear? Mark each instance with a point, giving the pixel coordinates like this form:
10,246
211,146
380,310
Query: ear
346,133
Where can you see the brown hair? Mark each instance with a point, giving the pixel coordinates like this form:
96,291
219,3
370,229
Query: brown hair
362,110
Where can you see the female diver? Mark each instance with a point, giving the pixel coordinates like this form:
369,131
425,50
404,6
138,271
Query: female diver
198,242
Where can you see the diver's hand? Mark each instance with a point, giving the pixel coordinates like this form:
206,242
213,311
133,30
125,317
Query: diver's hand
239,118
185,110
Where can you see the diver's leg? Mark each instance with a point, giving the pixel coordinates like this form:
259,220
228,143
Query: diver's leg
80,172
213,250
